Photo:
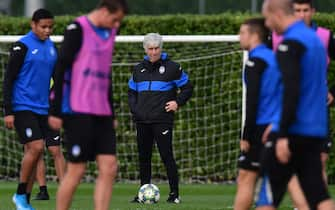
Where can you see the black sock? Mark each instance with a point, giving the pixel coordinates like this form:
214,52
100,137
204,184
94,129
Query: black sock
28,198
21,188
43,189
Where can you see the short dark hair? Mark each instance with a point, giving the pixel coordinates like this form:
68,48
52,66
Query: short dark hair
257,25
114,5
309,2
286,6
42,14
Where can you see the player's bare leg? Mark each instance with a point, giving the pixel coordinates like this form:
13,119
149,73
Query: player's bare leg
68,185
107,166
59,161
245,189
324,158
297,195
40,171
31,182
41,180
32,153
266,208
326,205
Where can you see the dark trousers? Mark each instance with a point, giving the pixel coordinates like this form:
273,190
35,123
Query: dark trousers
147,134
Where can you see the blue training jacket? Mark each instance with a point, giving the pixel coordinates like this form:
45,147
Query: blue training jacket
311,113
31,87
271,88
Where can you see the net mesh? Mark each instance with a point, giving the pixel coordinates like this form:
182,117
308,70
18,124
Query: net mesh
206,130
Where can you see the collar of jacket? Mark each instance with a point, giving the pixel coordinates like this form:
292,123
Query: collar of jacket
164,56
157,64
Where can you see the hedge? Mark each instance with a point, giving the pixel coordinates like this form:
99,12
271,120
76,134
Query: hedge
226,23
168,24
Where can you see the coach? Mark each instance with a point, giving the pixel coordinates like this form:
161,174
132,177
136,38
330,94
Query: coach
153,99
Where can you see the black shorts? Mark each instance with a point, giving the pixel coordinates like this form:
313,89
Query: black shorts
31,126
305,162
88,136
251,160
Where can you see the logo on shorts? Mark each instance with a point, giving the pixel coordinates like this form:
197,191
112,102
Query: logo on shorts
56,138
165,132
241,158
250,63
76,150
268,144
29,132
329,144
283,48
255,164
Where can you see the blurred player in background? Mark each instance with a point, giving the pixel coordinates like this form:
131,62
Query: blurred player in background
263,84
153,100
84,101
26,100
41,180
59,163
304,9
294,144
54,147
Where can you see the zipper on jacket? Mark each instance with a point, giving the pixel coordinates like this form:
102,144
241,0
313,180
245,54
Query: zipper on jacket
150,80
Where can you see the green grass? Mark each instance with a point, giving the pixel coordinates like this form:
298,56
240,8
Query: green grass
194,197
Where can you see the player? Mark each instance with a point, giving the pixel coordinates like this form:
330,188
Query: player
26,97
294,145
86,104
153,100
304,9
262,78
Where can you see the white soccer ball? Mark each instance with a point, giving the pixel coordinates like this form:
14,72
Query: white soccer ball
149,194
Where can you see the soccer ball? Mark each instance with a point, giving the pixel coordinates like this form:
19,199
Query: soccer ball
149,194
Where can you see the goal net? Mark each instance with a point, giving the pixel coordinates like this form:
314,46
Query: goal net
206,130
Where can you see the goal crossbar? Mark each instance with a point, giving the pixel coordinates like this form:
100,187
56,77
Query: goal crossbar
139,38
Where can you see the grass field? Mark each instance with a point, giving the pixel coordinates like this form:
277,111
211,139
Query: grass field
194,197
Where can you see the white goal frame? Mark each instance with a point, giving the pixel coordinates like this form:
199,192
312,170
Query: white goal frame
7,39
166,38
139,38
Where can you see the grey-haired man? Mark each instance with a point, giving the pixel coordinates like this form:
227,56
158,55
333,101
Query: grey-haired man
153,99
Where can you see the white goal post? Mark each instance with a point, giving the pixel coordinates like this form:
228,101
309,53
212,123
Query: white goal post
139,38
207,129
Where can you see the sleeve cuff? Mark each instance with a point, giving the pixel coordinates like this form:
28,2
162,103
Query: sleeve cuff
179,102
